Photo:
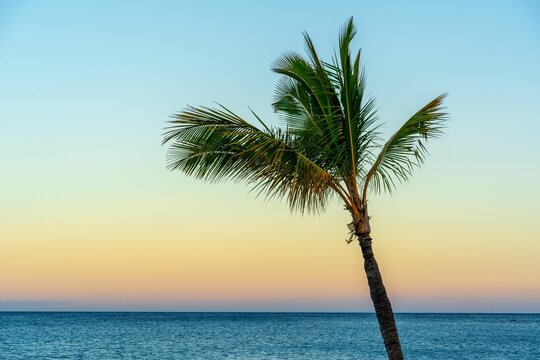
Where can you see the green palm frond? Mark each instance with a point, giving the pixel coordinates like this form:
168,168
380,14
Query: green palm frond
307,100
359,110
295,106
306,125
406,149
215,144
325,104
351,94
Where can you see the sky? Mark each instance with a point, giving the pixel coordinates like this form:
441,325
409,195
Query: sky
90,219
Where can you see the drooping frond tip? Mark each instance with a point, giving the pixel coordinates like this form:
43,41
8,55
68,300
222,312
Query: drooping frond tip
216,144
406,149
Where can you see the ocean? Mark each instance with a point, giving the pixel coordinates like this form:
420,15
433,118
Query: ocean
142,335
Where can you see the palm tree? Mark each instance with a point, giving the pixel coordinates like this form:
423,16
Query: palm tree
329,147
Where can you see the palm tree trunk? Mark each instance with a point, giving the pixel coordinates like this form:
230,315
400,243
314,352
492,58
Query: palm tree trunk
383,308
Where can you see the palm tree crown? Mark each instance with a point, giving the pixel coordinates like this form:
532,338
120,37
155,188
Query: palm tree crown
329,144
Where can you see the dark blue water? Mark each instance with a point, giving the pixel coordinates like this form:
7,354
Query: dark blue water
263,336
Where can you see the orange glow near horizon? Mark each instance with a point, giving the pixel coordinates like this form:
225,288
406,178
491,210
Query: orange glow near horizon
246,258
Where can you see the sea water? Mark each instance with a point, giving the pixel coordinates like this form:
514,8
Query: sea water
107,335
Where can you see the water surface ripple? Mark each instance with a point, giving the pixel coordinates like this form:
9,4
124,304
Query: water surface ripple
106,335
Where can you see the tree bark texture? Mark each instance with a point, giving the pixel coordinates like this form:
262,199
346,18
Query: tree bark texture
383,308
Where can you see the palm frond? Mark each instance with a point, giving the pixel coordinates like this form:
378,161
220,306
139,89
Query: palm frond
215,144
350,96
325,104
295,106
406,149
306,99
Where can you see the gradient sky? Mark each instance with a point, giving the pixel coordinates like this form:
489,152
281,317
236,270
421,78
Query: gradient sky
90,219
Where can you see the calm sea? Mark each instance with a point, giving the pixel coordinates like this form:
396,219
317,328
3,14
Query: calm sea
68,335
